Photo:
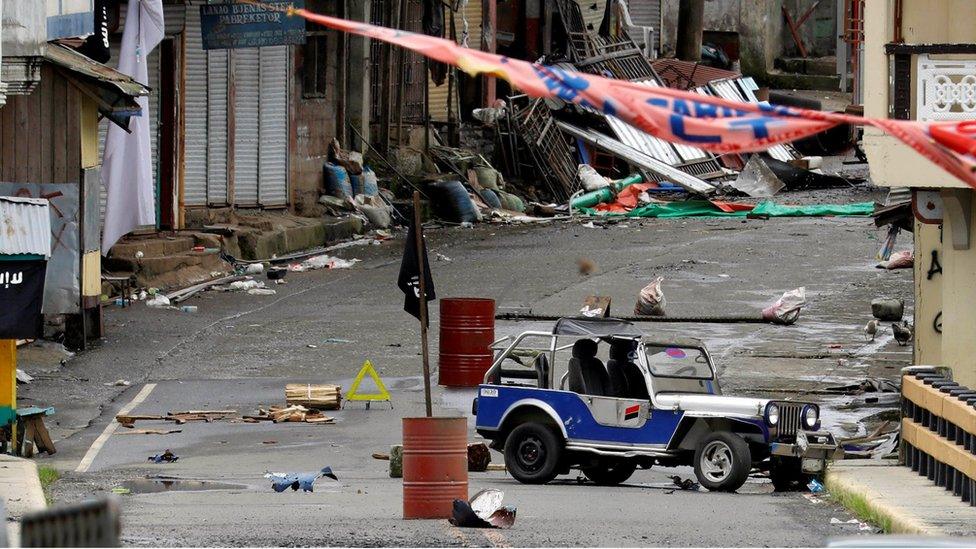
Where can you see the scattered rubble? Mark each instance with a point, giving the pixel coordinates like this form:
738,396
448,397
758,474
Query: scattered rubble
288,414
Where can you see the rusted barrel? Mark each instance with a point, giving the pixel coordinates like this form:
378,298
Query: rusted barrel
467,331
435,465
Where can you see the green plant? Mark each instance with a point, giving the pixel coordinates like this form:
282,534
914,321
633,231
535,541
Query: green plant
856,504
48,476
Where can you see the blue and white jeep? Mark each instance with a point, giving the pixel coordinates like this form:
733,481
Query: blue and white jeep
604,397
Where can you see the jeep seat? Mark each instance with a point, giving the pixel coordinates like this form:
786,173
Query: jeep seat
625,378
586,374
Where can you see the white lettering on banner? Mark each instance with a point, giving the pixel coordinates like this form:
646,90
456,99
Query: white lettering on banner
6,279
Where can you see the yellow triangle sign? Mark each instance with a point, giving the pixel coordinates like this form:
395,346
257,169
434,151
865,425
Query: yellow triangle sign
353,394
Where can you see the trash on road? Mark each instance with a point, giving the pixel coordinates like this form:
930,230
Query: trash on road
651,300
757,179
289,414
786,309
815,486
323,262
685,483
181,417
868,385
283,481
158,301
483,510
277,274
24,377
167,456
118,383
323,397
254,269
261,291
586,266
898,260
479,457
888,309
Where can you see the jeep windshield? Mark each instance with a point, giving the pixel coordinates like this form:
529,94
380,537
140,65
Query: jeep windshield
678,361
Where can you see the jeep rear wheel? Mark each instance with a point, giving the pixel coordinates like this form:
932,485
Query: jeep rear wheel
610,472
532,453
722,461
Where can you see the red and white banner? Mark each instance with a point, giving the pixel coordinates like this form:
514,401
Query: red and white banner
710,123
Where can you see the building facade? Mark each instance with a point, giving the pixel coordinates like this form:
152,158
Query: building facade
920,64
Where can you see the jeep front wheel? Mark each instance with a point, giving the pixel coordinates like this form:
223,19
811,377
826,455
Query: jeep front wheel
722,462
610,472
532,453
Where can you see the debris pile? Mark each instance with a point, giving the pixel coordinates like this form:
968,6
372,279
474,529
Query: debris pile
288,414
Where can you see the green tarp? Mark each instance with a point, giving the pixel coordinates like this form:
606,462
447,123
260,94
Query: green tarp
704,208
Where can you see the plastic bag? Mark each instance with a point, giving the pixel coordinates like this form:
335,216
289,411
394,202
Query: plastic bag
899,260
650,301
590,179
787,308
158,300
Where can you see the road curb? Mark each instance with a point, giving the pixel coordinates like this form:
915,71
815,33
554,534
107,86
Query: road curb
20,492
843,486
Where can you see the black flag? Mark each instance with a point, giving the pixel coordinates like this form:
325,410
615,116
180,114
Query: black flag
409,280
21,296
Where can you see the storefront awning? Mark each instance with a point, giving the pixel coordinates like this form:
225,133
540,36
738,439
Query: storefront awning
114,92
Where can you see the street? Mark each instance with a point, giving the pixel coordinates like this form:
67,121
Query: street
238,351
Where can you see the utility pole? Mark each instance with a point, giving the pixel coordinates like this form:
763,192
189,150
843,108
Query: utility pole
691,15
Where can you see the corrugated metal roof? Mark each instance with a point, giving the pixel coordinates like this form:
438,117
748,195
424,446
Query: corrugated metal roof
25,226
685,75
78,63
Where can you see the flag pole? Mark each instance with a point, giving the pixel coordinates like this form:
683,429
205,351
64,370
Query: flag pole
419,241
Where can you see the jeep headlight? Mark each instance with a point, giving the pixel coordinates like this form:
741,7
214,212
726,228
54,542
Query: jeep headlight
811,416
772,414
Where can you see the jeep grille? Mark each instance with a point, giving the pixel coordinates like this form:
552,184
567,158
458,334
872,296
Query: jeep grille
789,419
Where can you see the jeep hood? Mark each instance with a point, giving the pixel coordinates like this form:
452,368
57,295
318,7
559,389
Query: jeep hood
712,404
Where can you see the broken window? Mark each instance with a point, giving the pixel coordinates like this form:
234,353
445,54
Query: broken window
315,69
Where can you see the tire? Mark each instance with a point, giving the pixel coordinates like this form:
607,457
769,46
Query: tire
786,474
532,453
722,461
610,472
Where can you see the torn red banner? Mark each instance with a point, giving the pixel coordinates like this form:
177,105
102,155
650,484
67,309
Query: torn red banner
711,123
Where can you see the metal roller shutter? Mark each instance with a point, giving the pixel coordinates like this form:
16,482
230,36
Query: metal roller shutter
647,13
247,83
195,124
273,127
217,127
437,95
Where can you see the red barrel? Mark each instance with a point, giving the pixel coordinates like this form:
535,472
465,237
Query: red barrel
467,332
435,465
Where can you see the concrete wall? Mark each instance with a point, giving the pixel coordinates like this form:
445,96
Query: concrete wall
24,29
313,121
923,21
953,292
928,292
763,34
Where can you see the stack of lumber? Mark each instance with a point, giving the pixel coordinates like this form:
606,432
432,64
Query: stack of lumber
319,397
294,413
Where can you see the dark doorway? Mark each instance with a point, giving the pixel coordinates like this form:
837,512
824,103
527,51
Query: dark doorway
167,134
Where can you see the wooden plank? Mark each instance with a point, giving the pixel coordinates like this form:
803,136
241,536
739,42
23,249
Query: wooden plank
45,127
8,153
35,132
59,148
73,128
21,140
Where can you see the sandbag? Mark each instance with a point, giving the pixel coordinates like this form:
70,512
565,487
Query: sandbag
451,202
336,180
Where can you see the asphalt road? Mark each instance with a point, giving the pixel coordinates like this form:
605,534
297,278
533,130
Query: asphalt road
238,351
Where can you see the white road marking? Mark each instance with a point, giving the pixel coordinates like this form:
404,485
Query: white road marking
110,428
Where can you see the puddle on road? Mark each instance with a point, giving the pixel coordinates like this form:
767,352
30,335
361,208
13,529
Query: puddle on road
153,485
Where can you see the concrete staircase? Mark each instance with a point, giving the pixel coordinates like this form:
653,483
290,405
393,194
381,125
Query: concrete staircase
810,73
167,262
